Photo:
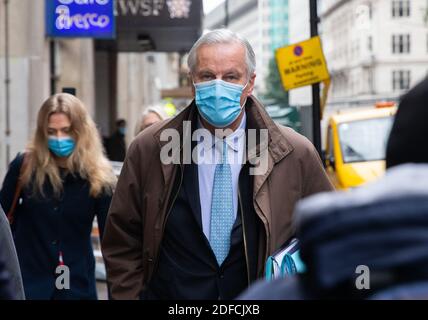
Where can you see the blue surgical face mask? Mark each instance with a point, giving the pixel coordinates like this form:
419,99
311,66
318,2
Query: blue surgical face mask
122,131
218,101
62,147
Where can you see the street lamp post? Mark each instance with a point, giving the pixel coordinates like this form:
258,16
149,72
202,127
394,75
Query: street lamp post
316,100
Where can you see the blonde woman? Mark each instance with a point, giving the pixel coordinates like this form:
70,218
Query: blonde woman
66,181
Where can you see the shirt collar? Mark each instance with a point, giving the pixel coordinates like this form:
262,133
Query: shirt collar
232,140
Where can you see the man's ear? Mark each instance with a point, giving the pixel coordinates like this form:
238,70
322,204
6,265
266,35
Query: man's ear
251,82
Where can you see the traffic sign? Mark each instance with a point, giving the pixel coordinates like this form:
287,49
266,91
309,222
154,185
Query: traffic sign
302,64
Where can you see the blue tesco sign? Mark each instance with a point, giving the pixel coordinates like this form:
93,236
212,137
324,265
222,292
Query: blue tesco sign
80,19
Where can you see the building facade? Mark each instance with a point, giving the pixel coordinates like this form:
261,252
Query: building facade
299,29
263,22
112,85
375,49
29,79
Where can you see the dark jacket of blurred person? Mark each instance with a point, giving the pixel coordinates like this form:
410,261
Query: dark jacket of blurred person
6,290
408,139
11,287
67,181
382,226
115,144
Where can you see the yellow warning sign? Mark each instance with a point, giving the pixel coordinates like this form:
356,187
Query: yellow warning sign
302,64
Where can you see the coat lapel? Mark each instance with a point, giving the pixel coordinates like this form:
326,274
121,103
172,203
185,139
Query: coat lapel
276,149
191,186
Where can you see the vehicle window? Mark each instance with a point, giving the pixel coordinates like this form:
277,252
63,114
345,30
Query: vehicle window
330,144
364,140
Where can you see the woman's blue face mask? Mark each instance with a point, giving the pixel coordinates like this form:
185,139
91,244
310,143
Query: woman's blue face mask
61,147
219,102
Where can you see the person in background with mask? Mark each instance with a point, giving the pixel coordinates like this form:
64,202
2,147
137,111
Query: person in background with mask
116,145
66,181
203,230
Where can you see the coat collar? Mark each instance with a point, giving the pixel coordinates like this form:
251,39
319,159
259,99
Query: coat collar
257,118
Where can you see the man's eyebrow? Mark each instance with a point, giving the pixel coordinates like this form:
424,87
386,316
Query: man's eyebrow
233,71
205,71
230,71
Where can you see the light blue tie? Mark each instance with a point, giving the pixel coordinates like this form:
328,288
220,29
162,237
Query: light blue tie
222,209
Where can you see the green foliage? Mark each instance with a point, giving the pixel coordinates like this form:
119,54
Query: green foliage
274,88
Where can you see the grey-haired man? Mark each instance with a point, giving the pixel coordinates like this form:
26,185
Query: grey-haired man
203,230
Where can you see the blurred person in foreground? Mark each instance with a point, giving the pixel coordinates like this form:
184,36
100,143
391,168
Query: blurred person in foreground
150,116
370,242
66,181
11,287
203,230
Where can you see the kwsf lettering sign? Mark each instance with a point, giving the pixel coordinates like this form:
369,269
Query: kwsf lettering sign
161,11
175,9
80,19
302,64
167,25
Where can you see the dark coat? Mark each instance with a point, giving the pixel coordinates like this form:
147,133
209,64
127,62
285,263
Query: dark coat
10,272
6,291
146,188
116,147
407,142
187,266
45,226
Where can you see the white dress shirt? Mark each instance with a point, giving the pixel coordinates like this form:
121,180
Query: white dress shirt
209,154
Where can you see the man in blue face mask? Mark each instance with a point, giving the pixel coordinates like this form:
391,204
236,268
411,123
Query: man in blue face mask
203,230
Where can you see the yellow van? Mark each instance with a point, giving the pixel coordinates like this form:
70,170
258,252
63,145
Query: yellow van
356,144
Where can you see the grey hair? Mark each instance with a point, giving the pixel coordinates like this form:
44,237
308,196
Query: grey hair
156,109
221,36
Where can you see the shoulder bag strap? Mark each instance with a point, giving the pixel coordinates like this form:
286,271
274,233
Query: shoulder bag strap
11,213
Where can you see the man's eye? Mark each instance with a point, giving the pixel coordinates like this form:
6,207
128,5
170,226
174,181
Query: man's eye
207,77
231,78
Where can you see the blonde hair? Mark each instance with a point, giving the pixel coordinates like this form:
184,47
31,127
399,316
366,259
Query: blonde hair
87,160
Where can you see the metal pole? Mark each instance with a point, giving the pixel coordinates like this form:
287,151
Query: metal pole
316,100
52,54
7,81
